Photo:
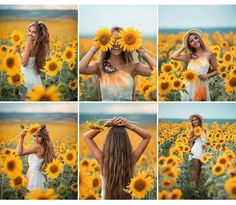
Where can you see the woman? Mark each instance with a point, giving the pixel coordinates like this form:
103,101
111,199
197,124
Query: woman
40,154
35,54
197,144
199,59
117,159
116,70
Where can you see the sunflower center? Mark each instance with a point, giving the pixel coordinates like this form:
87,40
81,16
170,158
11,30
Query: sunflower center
16,38
45,97
174,196
234,190
227,57
91,197
169,161
218,169
11,165
75,186
72,84
16,78
165,85
52,66
104,39
10,62
95,182
7,152
232,82
68,54
176,83
222,161
69,156
129,39
54,168
190,76
4,48
168,69
139,185
18,181
85,163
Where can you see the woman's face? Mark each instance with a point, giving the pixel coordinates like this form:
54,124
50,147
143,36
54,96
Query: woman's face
116,50
195,121
194,41
37,138
32,33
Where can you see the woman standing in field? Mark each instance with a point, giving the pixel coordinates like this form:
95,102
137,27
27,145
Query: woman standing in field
40,154
197,142
35,53
116,70
199,59
117,159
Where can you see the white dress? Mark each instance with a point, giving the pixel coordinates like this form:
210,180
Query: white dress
197,149
35,176
31,77
198,90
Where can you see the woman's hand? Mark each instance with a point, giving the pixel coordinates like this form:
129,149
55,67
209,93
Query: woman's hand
116,121
17,49
94,49
23,134
141,50
203,77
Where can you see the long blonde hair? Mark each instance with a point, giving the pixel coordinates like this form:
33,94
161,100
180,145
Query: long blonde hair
117,163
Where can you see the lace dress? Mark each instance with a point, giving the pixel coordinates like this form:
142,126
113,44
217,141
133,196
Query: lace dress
35,176
31,77
198,90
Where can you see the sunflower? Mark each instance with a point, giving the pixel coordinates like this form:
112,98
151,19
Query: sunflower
104,39
197,131
3,49
13,166
164,86
16,38
7,152
73,85
18,182
74,187
175,194
96,182
54,169
230,84
70,156
151,93
130,39
230,187
38,93
168,183
140,185
72,65
228,58
74,168
53,66
69,55
89,195
223,160
12,63
162,160
162,195
190,75
84,184
177,84
168,68
218,169
32,129
39,194
16,80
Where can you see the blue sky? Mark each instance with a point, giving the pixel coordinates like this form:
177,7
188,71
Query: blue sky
206,110
118,108
142,17
39,107
197,16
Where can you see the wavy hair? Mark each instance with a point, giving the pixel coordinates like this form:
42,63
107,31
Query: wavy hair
125,55
49,153
41,45
117,163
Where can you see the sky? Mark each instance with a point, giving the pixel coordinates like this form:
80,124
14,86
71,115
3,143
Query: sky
141,17
196,16
118,108
206,110
39,7
39,107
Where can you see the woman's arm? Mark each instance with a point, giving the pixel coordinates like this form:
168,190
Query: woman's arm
88,137
177,55
85,67
142,69
26,54
35,149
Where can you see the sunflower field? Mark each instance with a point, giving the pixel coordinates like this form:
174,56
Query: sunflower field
218,162
145,87
61,174
59,75
142,186
172,74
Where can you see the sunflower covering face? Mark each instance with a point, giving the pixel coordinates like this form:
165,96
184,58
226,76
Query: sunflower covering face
129,40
